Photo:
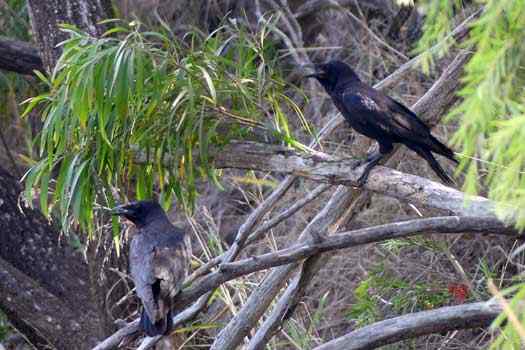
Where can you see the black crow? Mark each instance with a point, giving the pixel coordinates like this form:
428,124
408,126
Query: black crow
159,260
380,117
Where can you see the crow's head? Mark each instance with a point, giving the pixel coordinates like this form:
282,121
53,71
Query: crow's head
140,212
333,73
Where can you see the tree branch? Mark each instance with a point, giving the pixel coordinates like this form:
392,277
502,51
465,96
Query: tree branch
416,324
327,169
446,224
19,57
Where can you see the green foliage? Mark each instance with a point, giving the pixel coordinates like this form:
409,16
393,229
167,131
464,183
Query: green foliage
491,116
436,29
365,310
140,112
14,19
401,296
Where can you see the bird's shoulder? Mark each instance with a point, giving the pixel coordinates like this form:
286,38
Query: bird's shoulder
149,241
385,109
360,96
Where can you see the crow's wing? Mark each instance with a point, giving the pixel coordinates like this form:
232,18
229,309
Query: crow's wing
373,110
171,264
141,256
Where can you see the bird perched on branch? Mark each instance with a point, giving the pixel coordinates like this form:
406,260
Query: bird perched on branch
380,117
159,260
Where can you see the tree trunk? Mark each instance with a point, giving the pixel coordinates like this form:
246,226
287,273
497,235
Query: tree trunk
47,289
44,285
46,16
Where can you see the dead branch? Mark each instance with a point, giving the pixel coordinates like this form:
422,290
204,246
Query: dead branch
324,168
446,224
416,324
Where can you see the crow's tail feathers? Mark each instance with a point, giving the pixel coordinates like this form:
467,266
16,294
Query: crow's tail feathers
154,329
434,165
440,148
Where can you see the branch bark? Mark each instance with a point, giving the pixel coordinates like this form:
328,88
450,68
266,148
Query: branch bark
19,57
416,324
324,168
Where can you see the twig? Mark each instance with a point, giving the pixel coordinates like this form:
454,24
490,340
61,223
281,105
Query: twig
285,214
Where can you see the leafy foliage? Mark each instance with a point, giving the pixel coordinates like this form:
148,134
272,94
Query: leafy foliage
400,295
140,112
491,115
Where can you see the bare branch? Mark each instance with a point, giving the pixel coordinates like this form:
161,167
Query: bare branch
19,57
446,224
327,169
114,340
416,324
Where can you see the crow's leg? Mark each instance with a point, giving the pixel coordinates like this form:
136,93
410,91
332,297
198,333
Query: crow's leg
373,159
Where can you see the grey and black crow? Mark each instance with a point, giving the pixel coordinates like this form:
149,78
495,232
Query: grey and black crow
380,117
159,260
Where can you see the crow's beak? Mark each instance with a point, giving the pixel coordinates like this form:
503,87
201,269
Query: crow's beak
120,210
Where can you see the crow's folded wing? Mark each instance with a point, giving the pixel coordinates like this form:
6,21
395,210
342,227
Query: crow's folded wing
142,272
372,110
171,264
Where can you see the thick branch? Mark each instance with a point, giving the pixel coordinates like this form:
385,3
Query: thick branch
19,57
416,324
327,169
